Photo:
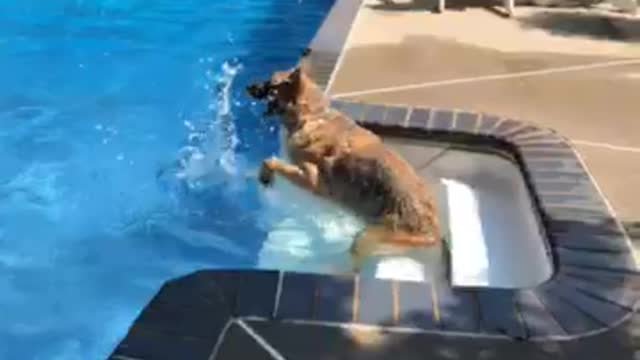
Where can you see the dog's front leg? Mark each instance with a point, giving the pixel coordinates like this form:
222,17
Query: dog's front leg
305,176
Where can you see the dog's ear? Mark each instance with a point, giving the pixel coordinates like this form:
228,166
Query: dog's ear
296,76
303,69
305,65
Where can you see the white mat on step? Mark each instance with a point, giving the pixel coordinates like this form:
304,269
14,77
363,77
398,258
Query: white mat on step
309,234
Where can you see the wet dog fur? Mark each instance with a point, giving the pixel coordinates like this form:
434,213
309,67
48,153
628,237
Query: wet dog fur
335,158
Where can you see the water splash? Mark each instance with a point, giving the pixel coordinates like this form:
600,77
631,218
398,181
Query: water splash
224,125
210,157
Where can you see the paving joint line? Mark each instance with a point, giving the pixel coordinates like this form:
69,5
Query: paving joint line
493,77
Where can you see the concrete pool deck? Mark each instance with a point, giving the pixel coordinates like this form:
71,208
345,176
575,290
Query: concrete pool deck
572,70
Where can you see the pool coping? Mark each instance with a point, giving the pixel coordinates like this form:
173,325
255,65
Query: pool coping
327,46
595,287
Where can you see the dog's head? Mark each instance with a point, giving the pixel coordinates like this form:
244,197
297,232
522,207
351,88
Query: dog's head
280,92
286,89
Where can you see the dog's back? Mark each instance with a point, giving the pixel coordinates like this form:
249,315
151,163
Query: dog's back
378,184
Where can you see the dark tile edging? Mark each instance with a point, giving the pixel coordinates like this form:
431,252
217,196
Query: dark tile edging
594,289
596,276
329,41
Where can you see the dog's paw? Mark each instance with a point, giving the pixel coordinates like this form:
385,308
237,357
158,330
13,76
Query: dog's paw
266,174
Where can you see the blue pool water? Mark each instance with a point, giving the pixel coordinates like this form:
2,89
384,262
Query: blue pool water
128,151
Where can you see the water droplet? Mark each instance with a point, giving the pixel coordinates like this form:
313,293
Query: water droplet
120,157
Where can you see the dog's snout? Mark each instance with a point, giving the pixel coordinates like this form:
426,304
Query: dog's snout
259,90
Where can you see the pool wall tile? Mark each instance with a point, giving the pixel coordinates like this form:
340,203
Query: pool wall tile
585,227
532,137
609,292
498,313
419,118
466,122
557,146
545,187
506,127
375,114
237,344
396,116
630,279
184,319
519,132
596,260
571,319
441,120
604,312
487,123
374,301
590,242
353,110
256,294
458,309
416,305
547,153
571,165
537,319
297,296
145,346
338,105
334,298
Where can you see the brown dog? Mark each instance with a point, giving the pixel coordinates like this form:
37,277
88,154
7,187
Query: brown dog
335,158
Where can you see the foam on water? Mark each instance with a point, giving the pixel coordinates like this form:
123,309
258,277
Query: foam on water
306,233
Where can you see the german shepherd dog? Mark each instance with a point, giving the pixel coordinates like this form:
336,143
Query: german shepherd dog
335,158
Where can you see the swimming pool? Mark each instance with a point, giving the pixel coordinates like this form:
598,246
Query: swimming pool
127,153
